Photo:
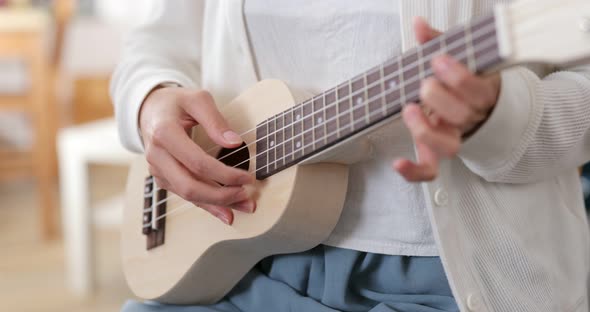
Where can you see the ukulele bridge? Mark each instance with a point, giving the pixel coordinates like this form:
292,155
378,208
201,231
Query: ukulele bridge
154,214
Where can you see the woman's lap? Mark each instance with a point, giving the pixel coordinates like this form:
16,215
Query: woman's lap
328,279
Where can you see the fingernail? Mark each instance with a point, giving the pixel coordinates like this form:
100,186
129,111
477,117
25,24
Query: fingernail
225,219
248,206
232,137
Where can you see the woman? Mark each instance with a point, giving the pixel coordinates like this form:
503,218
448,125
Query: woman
496,225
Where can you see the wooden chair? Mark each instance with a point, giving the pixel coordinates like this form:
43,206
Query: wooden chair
23,37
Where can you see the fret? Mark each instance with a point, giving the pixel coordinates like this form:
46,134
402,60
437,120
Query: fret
383,101
262,149
367,121
308,128
402,85
351,104
331,119
420,63
471,63
358,100
288,136
455,43
411,73
344,109
297,132
482,48
280,138
374,96
443,45
431,50
271,161
319,127
337,104
393,81
356,89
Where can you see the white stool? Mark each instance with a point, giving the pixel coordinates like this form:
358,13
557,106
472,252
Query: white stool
79,146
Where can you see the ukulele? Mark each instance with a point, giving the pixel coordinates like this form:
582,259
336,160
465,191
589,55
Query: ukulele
174,252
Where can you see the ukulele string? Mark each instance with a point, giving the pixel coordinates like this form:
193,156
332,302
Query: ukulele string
425,58
188,205
483,46
354,122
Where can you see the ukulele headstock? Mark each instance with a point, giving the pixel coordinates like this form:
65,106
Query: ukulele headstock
546,31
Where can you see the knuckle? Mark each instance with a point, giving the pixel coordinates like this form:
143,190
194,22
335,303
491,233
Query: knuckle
462,80
421,133
462,115
203,97
159,136
187,192
226,196
427,90
150,157
197,167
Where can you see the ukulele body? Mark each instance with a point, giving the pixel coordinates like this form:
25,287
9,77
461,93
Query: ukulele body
202,258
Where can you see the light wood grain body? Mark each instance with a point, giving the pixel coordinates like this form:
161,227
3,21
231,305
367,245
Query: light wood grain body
202,258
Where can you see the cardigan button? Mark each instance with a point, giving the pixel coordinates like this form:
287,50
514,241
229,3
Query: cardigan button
441,197
473,302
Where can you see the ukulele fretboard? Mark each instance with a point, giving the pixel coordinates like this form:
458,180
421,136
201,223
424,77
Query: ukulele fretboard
367,99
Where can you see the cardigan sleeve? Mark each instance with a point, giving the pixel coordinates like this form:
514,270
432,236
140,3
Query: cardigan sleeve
165,48
539,127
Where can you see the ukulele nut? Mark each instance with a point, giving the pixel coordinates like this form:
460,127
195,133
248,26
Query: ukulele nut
584,24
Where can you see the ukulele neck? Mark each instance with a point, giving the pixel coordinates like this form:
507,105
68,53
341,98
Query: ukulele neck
368,99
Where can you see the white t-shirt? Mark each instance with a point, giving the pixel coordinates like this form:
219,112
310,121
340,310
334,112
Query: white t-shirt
332,41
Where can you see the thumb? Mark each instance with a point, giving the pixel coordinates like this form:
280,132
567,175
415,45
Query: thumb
201,106
424,32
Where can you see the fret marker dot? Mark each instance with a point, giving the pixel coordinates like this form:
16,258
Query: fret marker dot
298,144
359,101
297,117
392,84
145,218
147,189
272,143
320,120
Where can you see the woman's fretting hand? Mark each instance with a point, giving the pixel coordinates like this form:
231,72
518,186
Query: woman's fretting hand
457,102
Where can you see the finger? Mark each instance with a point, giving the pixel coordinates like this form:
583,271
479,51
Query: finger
444,140
248,206
225,214
462,82
447,105
186,186
173,139
424,32
425,170
222,213
201,106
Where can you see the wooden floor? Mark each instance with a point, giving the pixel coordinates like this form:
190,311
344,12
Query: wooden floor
32,271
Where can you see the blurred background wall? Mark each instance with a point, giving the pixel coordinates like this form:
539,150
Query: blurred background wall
62,170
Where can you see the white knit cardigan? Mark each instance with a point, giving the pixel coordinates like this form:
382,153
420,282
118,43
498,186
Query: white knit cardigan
507,214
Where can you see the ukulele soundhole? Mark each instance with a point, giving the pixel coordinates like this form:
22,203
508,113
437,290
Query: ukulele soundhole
238,157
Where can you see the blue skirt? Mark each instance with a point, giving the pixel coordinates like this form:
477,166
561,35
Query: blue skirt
328,279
